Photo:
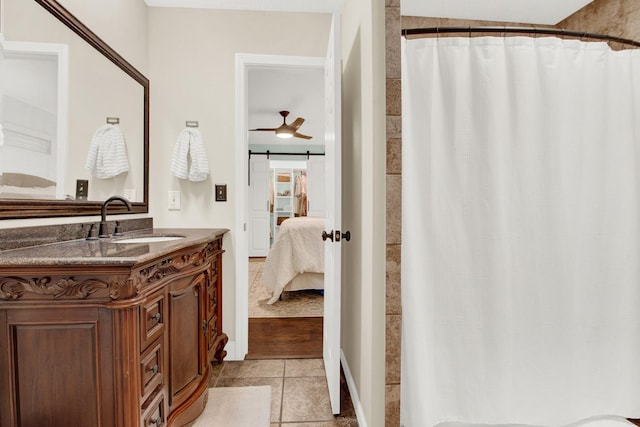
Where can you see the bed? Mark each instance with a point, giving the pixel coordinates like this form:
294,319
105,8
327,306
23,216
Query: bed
24,186
296,259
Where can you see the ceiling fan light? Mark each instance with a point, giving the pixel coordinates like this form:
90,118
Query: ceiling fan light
284,133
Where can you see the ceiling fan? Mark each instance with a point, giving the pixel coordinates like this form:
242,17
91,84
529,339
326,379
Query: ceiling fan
286,130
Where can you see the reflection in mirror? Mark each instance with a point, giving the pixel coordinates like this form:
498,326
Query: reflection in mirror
60,83
33,117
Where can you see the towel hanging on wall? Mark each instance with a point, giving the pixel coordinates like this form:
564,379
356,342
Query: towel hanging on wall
189,159
107,156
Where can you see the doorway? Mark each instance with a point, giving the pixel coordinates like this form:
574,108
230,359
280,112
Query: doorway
270,65
331,233
281,192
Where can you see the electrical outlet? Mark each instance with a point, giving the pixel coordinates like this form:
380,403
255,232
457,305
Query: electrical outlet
174,200
130,195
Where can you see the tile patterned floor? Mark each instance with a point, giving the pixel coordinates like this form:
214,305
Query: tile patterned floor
299,395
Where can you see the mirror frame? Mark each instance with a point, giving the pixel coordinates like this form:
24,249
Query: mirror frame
41,208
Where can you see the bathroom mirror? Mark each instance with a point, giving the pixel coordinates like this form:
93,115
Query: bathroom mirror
92,85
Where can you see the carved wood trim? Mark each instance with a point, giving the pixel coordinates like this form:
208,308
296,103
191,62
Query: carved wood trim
13,288
219,351
177,264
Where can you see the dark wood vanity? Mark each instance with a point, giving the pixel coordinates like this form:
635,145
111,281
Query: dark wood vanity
100,333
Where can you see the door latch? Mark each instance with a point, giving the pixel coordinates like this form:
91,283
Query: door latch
328,235
346,236
335,236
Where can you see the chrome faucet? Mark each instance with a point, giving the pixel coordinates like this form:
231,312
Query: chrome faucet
103,231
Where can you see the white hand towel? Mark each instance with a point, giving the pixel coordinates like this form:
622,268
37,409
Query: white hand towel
189,159
1,135
107,156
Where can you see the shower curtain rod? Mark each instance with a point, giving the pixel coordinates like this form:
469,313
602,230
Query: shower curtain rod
519,30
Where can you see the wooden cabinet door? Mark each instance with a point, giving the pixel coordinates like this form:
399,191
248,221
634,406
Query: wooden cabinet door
56,371
187,334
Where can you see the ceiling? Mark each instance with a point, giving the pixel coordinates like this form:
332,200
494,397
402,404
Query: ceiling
297,90
548,12
300,91
542,12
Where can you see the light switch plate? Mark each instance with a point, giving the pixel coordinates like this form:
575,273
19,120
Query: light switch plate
174,200
221,192
82,189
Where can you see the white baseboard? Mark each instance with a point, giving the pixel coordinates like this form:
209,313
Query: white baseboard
231,352
355,399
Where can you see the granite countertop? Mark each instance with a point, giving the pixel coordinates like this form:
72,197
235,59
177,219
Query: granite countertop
107,251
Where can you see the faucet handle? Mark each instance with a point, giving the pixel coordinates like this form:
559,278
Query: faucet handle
90,234
116,231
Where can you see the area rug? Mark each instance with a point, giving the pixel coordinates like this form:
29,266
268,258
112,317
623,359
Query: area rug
237,407
293,304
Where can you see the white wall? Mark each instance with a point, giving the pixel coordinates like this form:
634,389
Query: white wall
363,202
192,71
122,24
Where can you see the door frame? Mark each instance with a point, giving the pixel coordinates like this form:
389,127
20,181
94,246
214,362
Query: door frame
244,62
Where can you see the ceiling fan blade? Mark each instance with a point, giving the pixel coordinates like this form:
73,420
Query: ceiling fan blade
296,123
264,129
299,135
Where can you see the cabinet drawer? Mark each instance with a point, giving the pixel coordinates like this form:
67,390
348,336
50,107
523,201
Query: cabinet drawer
152,368
152,321
155,415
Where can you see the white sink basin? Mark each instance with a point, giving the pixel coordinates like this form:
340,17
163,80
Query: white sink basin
149,239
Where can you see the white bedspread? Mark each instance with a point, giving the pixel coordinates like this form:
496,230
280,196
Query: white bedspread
298,248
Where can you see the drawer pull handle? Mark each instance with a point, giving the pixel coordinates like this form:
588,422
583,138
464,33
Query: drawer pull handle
157,317
154,369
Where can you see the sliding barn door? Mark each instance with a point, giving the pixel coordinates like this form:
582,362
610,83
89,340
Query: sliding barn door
259,200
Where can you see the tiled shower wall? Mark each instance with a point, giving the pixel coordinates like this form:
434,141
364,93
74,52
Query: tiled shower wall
620,18
393,192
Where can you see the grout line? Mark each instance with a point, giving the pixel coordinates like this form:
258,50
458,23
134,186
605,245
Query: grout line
284,373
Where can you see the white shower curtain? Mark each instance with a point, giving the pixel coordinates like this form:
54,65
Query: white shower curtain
520,231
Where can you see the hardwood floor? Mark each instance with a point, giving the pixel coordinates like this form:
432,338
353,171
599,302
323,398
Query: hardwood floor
285,338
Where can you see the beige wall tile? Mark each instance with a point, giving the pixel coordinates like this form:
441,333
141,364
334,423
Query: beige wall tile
394,97
393,344
392,41
394,156
394,205
393,280
392,407
394,127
